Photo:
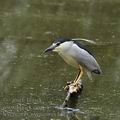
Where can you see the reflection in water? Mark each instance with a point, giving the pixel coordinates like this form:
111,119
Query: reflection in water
72,116
30,84
7,56
76,114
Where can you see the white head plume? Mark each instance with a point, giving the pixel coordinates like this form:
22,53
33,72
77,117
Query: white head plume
86,40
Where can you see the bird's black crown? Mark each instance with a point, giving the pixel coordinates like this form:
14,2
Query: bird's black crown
62,39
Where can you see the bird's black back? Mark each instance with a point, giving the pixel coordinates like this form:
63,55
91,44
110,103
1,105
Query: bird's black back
82,46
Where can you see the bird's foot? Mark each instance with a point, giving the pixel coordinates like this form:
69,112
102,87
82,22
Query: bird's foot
73,87
66,88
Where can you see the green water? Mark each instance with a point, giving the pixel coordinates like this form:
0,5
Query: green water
31,84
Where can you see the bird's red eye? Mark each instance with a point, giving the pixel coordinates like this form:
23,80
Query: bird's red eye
58,44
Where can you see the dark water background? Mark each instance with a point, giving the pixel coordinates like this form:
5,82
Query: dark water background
31,84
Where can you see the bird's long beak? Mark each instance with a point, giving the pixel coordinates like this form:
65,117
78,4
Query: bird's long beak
49,49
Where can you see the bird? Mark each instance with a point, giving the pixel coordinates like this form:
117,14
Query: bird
77,55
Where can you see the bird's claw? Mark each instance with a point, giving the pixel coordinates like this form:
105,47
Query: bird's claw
73,87
66,88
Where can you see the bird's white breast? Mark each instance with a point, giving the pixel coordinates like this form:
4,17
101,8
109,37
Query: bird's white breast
68,59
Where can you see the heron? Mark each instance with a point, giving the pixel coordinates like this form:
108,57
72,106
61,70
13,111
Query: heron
77,55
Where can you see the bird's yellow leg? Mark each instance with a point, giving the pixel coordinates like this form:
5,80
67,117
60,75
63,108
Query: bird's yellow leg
77,76
80,75
77,79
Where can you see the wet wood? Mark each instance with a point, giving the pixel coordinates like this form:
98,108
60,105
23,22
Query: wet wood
73,93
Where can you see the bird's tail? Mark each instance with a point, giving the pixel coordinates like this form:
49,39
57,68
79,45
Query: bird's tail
89,74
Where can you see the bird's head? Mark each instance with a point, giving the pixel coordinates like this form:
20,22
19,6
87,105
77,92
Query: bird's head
59,45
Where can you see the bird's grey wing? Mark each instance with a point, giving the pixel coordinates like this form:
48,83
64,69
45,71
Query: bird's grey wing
85,59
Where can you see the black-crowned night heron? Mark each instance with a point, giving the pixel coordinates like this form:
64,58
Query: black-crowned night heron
76,55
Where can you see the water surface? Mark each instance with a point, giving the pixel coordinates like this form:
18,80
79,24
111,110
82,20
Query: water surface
31,84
